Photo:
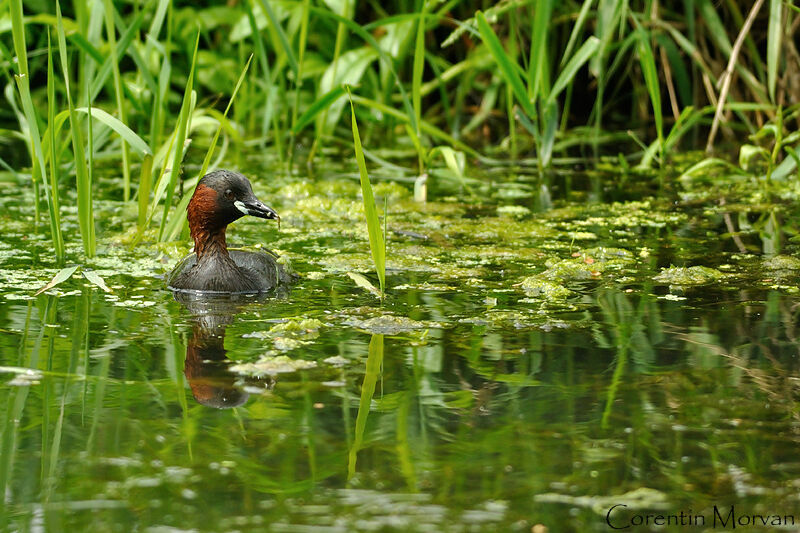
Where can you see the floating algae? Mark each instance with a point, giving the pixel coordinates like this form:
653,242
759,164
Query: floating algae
389,324
290,334
576,269
782,262
271,365
536,287
694,275
303,327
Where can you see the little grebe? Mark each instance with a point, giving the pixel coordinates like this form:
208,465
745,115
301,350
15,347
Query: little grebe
220,198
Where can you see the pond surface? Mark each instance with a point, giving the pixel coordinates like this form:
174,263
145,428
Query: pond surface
535,363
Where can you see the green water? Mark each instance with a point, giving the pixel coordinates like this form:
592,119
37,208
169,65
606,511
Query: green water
534,364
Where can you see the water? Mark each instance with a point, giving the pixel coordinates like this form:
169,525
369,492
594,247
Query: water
478,397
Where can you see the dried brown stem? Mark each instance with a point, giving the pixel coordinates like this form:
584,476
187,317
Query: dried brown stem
727,76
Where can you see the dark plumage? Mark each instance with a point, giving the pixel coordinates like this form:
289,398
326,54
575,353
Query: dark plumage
222,197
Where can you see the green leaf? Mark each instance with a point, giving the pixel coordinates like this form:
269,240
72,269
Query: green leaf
95,278
774,37
124,131
550,126
341,6
565,77
376,242
61,276
84,184
716,28
364,283
648,63
348,69
372,372
576,29
287,48
537,66
318,106
416,71
748,152
703,167
455,161
508,67
180,135
387,61
18,33
427,127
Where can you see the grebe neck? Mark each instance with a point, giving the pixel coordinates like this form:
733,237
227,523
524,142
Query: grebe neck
209,243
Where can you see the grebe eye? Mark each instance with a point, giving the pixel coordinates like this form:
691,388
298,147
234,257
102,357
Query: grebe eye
229,194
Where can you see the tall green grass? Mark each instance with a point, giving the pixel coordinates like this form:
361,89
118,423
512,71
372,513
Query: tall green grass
180,138
121,105
34,139
520,80
82,176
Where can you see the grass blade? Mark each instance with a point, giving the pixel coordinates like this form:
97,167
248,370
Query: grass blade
53,203
385,58
576,29
84,186
648,63
301,50
372,371
430,129
774,35
376,242
180,139
549,123
145,183
117,125
508,68
419,65
18,34
538,60
112,42
716,28
346,9
39,170
287,48
584,53
321,103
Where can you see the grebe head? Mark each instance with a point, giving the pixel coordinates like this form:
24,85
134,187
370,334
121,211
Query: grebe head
222,197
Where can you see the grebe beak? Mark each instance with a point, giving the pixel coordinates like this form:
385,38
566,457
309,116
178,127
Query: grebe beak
256,208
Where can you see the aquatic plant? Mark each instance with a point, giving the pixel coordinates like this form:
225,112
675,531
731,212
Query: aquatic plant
566,78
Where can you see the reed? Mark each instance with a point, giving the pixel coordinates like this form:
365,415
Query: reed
34,140
83,182
113,57
377,244
179,138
